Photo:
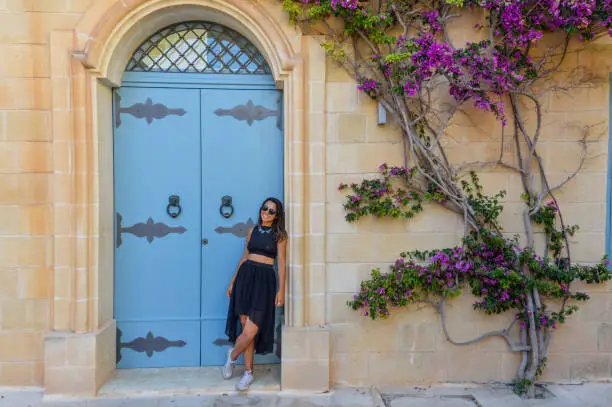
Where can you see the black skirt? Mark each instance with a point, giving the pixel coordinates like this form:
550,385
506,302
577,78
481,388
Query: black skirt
253,295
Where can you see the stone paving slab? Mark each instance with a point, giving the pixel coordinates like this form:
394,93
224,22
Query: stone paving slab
587,395
338,398
20,397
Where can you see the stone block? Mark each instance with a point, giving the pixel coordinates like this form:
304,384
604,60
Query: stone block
317,127
588,247
587,97
24,251
333,180
362,157
35,219
306,359
52,6
20,346
25,314
557,367
588,215
594,121
14,28
316,59
339,312
316,248
352,128
9,157
9,283
575,338
418,336
47,22
81,350
349,248
592,367
79,363
397,369
341,97
604,338
597,309
56,353
351,369
584,188
310,376
62,314
24,60
9,219
347,277
510,364
25,93
316,309
303,344
336,73
68,380
18,374
24,188
27,125
464,365
35,157
335,221
316,97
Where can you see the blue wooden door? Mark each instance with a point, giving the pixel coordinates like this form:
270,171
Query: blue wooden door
211,149
157,256
241,160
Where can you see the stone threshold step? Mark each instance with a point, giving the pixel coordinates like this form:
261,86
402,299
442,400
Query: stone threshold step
157,383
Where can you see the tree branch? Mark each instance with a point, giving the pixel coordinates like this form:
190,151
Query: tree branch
504,333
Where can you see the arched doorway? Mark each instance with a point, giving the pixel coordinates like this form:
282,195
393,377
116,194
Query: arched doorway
198,144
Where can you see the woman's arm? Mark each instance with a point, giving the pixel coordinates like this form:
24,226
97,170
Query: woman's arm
282,272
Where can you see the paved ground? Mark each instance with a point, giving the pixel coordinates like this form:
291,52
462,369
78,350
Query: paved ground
586,395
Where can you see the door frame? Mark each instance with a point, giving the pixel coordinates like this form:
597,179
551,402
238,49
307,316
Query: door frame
193,81
85,64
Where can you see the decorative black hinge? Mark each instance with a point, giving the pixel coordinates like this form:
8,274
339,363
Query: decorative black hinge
150,344
149,230
251,113
240,229
147,110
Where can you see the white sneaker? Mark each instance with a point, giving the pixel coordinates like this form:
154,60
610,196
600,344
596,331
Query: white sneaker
228,368
245,382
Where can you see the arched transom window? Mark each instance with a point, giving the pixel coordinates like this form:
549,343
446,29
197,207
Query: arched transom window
198,47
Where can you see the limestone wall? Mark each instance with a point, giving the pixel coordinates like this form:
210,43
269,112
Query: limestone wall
341,128
26,167
410,347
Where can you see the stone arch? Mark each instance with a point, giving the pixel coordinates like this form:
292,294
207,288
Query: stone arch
108,34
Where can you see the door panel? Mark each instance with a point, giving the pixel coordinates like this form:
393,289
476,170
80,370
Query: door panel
157,257
171,273
242,158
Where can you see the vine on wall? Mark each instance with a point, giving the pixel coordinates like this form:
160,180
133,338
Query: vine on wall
402,54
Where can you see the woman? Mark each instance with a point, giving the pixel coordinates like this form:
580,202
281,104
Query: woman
252,291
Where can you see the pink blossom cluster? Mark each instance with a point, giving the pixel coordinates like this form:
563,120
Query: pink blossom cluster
346,4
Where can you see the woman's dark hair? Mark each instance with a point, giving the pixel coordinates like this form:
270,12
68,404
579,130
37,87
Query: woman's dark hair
279,222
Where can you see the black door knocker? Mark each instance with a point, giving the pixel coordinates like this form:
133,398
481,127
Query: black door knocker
227,209
174,206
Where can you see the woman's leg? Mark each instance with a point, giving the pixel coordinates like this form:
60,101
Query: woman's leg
245,339
249,352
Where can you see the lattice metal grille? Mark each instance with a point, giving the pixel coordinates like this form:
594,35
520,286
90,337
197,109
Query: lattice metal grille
198,47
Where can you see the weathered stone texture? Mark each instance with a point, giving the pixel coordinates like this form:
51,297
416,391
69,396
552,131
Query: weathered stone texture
408,349
47,181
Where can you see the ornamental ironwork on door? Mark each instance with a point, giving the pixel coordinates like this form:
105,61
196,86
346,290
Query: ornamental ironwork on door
198,47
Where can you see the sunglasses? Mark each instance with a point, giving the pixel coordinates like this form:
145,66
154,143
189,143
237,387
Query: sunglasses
269,210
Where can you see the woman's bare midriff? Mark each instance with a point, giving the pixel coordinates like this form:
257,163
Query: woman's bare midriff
258,258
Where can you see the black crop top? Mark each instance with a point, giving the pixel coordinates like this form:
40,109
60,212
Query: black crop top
263,242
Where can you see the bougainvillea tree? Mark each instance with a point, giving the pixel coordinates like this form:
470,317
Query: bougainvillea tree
403,55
